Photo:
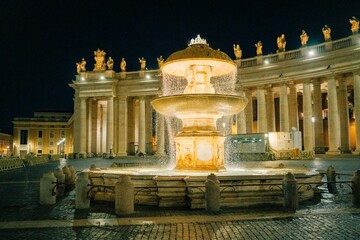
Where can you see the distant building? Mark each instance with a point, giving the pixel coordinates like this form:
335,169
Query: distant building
44,133
5,145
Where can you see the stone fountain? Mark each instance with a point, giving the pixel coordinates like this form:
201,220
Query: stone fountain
199,144
198,88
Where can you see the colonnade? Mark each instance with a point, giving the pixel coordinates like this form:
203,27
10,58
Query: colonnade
120,125
318,107
324,100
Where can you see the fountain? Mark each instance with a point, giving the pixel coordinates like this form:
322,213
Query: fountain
198,88
199,145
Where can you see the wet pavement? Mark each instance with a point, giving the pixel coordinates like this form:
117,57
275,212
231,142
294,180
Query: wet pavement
329,216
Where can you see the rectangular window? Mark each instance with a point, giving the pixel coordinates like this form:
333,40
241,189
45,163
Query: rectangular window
52,134
39,151
23,136
40,134
39,143
51,143
51,151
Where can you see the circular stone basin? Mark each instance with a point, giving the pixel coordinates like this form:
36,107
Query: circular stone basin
215,105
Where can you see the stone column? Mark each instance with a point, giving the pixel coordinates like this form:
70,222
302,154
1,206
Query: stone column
122,126
142,133
333,117
293,107
241,123
261,110
284,109
343,108
82,127
249,111
131,126
148,126
270,112
307,117
160,134
318,117
76,124
110,125
240,117
89,125
357,110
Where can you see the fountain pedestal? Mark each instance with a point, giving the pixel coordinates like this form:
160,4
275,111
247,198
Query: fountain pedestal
200,153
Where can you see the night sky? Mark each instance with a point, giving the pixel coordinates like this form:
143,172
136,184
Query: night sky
42,40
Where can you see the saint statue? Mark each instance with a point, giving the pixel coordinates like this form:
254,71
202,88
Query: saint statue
142,62
110,63
160,61
80,67
281,43
304,38
354,24
123,65
258,48
327,33
99,57
237,51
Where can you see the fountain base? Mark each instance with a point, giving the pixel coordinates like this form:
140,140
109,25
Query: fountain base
171,188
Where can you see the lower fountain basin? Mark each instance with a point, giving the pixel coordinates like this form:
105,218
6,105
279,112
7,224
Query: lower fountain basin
171,188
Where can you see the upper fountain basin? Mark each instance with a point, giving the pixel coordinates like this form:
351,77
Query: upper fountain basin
199,105
198,54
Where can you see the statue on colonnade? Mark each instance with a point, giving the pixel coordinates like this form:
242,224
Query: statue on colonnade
327,33
237,51
99,57
258,46
80,66
160,61
354,24
123,65
142,62
110,63
281,43
304,38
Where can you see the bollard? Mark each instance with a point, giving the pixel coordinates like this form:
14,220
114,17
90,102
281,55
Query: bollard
47,184
331,179
212,193
356,187
124,196
290,190
60,179
81,190
67,174
72,175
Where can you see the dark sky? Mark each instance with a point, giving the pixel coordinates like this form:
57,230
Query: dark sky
42,40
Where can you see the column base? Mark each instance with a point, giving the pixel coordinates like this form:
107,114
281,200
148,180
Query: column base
356,152
121,154
333,152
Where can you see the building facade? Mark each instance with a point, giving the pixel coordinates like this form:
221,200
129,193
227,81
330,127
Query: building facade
5,145
314,89
44,133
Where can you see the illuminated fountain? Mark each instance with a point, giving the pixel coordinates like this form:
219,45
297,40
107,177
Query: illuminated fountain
198,88
199,145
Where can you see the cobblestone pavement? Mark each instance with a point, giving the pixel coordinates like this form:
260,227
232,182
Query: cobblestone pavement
328,217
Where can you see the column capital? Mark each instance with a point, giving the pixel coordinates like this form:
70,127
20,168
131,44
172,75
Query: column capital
316,81
291,83
356,72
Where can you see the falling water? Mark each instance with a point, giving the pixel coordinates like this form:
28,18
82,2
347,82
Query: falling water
174,85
